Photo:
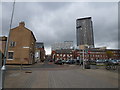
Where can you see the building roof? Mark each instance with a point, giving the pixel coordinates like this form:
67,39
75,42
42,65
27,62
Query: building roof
3,38
25,28
39,45
84,18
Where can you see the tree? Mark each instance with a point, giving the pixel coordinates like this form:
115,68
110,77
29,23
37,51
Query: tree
109,54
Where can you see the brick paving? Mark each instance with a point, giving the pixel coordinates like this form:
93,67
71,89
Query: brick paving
49,75
59,78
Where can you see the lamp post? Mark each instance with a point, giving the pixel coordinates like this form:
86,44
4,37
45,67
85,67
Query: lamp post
3,68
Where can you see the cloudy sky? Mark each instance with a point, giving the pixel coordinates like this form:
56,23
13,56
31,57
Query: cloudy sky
56,21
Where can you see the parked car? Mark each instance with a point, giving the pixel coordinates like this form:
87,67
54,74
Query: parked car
50,60
100,62
58,62
63,61
70,61
77,61
67,61
92,62
118,62
115,62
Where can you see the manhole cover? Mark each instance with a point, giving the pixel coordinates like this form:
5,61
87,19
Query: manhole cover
28,72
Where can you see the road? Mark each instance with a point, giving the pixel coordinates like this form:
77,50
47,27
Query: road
49,75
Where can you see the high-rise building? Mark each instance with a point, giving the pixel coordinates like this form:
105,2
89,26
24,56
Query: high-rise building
84,32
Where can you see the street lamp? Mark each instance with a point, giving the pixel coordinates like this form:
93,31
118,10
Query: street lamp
2,72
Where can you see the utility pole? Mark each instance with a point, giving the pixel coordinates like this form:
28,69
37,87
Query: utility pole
2,72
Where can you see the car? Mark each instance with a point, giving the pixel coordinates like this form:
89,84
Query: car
115,62
118,62
58,62
78,61
63,61
100,61
50,60
70,61
92,62
67,61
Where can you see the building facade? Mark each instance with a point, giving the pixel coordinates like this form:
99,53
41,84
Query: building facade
21,46
98,54
89,54
84,32
40,52
63,54
3,41
62,45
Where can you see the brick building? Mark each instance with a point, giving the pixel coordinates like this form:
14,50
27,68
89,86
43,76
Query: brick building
21,46
89,54
63,54
95,54
3,41
39,52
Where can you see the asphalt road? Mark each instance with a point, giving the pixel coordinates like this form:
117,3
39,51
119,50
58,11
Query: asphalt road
49,75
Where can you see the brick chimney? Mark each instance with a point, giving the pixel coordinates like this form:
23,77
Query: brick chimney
22,24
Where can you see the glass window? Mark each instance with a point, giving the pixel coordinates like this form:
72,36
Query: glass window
12,44
10,55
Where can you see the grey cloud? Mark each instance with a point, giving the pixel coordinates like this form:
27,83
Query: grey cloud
54,22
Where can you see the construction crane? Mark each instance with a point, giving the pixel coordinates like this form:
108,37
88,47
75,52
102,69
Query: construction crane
3,67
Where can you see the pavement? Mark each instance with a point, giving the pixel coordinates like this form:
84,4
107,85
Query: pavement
50,75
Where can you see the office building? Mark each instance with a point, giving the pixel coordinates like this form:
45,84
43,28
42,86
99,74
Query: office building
84,32
62,45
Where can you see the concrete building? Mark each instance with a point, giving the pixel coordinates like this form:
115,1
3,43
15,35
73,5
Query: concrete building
62,45
21,46
84,32
40,52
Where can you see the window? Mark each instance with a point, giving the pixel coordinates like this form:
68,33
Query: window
10,55
12,44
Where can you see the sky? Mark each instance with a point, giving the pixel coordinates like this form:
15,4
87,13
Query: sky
56,21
